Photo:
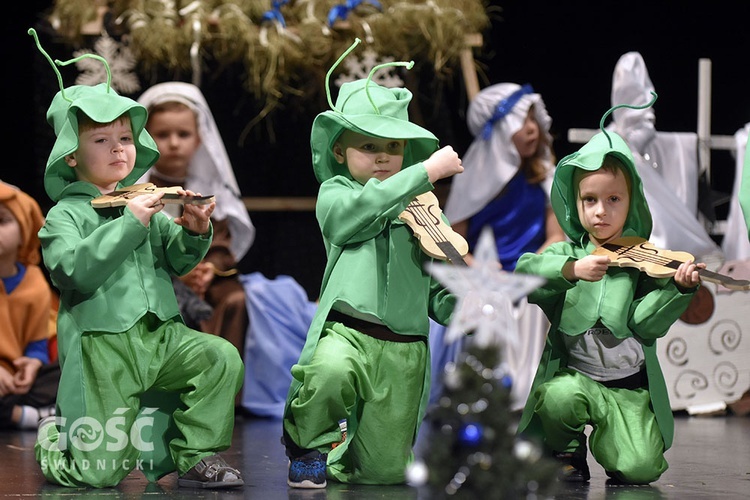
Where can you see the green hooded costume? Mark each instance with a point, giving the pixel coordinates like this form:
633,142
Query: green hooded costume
375,271
139,389
744,193
625,301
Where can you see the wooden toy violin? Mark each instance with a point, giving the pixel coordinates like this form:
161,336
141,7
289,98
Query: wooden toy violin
632,251
437,239
121,197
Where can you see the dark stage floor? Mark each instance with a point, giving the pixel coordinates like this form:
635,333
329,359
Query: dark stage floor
710,459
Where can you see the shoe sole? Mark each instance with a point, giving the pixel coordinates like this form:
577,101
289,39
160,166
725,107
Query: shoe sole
569,474
306,484
192,483
573,480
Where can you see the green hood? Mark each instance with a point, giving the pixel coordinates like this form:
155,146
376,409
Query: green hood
383,113
590,157
102,105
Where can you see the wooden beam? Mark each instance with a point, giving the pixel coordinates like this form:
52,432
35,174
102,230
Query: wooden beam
704,117
280,204
468,66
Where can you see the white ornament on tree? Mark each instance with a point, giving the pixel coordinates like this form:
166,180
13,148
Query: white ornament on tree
417,473
486,295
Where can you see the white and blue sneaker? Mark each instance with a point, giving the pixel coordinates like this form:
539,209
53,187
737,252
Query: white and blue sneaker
308,471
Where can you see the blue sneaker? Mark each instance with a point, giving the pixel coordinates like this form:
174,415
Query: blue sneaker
308,471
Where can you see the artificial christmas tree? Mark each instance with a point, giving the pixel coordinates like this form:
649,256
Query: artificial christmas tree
472,449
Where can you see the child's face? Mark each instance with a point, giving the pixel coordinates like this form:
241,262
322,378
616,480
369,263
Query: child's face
526,140
105,154
369,157
603,203
10,235
176,135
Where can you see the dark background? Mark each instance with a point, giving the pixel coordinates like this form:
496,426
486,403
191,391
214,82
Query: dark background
566,50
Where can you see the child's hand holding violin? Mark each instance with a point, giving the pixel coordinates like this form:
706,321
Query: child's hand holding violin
143,207
195,218
589,268
687,275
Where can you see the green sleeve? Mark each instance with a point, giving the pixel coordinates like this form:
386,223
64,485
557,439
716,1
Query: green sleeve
744,193
349,212
442,303
549,265
183,249
658,307
83,262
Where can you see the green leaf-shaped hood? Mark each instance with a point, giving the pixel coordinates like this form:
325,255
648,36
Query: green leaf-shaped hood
369,109
590,157
103,105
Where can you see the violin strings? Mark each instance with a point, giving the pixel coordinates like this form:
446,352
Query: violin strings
643,256
422,217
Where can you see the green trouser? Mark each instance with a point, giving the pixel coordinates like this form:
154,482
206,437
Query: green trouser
625,438
377,386
103,446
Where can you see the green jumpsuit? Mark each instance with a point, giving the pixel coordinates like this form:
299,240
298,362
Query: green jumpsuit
631,427
375,267
138,389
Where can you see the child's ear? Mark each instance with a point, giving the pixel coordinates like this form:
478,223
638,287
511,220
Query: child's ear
338,153
71,160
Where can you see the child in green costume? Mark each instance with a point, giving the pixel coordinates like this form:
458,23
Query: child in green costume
361,384
122,340
599,366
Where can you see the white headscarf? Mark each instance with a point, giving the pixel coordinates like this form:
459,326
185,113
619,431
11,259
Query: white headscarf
210,171
490,163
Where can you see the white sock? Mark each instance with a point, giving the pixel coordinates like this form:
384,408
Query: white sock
46,411
29,417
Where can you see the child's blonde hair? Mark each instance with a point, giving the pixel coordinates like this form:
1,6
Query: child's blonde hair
85,123
167,106
611,164
535,167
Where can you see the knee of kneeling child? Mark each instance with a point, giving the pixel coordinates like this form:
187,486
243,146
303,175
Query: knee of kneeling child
228,355
637,474
556,400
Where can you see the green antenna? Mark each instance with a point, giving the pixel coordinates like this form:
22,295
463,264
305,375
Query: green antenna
610,110
57,62
338,61
407,65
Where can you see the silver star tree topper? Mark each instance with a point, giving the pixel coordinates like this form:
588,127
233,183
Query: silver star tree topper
486,295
